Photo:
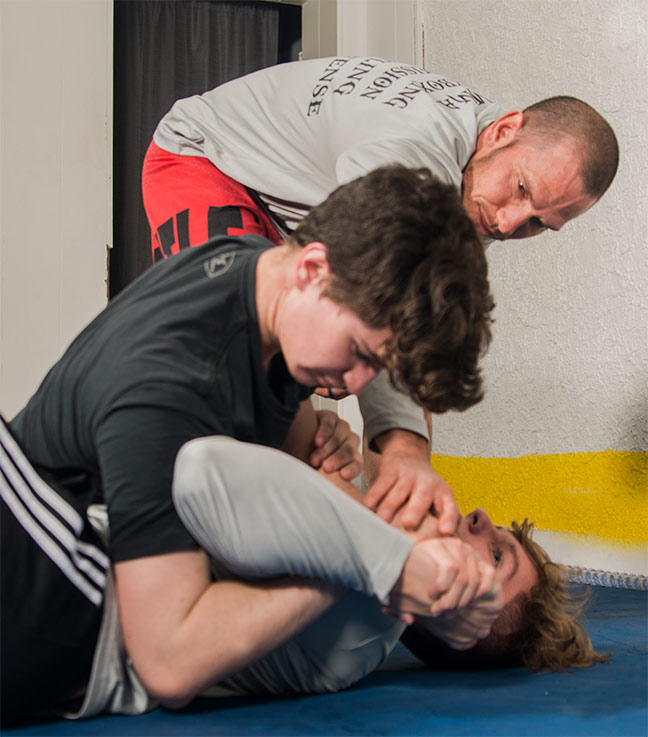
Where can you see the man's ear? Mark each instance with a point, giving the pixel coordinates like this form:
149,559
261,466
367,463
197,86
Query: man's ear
504,130
312,265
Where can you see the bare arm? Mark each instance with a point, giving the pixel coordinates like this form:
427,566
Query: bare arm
300,438
184,632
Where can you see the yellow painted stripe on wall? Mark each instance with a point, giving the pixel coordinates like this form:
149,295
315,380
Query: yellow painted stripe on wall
603,494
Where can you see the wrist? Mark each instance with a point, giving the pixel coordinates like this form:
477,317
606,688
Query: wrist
402,441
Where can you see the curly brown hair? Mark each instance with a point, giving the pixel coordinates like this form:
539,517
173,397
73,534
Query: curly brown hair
404,254
539,629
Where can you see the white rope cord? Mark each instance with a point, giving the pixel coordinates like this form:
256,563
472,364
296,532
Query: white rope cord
609,579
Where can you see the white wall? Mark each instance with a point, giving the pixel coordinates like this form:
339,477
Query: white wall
55,188
387,28
567,370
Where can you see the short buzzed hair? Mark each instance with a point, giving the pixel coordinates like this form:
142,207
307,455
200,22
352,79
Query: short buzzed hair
564,116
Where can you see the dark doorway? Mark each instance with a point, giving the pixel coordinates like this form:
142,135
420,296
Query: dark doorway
165,50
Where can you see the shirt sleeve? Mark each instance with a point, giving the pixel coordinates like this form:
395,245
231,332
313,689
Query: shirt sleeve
384,408
137,447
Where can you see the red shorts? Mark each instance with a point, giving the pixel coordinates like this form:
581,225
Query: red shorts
188,200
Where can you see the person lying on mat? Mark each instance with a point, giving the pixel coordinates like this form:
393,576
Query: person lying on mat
265,533
229,339
255,154
261,514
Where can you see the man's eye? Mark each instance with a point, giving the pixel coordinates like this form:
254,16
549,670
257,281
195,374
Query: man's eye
522,189
368,360
496,554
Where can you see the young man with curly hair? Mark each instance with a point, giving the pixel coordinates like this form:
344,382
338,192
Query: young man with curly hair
228,340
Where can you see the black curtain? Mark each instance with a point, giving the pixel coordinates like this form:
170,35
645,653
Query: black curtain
165,50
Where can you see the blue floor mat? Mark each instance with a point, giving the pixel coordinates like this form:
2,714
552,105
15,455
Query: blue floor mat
404,698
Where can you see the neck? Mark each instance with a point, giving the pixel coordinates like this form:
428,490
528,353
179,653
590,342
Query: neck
272,283
479,145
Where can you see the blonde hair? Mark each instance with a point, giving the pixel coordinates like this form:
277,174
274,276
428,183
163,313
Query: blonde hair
551,637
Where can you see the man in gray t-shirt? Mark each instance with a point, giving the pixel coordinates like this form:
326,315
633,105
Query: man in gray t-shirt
255,154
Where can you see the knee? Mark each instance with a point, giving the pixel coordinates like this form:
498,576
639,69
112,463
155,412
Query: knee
198,462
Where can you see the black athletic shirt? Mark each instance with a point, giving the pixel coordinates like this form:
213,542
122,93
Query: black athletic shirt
175,356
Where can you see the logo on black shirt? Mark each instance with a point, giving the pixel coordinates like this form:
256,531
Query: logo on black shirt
217,265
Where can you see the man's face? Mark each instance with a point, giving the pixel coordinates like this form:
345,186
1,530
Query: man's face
513,187
499,547
327,345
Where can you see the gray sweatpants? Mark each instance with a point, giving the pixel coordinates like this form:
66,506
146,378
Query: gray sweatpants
261,514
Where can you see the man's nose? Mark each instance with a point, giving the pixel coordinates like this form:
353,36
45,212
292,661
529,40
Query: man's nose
359,377
479,521
510,218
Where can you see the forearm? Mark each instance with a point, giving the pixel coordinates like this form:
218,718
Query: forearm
403,441
299,440
184,633
384,409
262,617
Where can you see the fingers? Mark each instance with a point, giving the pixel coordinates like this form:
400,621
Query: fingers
456,633
441,576
464,596
412,489
405,617
392,501
459,641
458,576
445,507
379,490
337,446
419,504
488,585
461,577
467,625
326,423
463,588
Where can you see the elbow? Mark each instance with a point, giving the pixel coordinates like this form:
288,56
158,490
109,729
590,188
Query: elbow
170,689
175,703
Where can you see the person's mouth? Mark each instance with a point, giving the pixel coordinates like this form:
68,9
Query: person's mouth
331,388
336,389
